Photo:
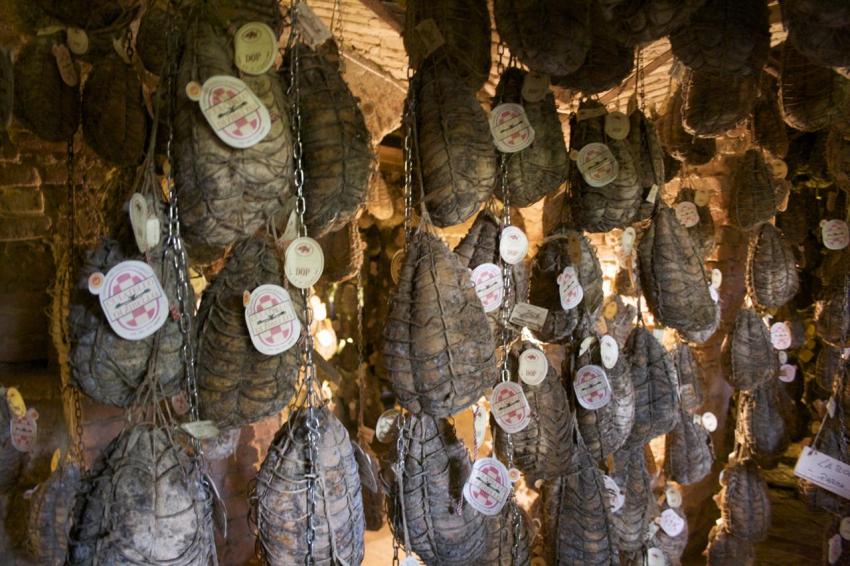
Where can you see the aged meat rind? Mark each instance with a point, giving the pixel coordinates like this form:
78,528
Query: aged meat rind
679,143
642,21
51,514
744,501
748,352
807,92
656,388
762,422
768,127
500,538
639,508
713,105
772,278
752,201
725,549
688,452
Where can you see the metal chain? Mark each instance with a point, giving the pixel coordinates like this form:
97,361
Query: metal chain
500,57
361,356
409,118
401,451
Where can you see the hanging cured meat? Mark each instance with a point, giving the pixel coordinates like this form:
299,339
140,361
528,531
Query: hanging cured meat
725,549
280,496
649,160
436,467
688,452
815,34
51,513
752,201
455,154
237,384
343,250
151,39
680,144
772,277
713,104
702,233
226,194
639,508
438,348
642,21
807,92
542,167
500,540
336,143
763,422
749,355
672,277
744,502
144,502
768,127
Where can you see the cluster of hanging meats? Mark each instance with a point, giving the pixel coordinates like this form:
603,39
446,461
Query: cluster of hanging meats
714,293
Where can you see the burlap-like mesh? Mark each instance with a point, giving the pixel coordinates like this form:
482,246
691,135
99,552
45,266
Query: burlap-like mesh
639,508
343,251
688,452
642,21
744,501
748,354
807,92
752,201
51,515
772,278
715,104
764,422
500,540
768,127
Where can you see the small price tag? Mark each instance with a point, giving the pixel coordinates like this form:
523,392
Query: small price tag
835,234
132,299
653,194
592,388
67,69
180,403
783,357
510,407
202,430
532,316
255,48
535,86
597,164
234,112
513,245
687,214
716,278
617,125
24,431
586,344
272,323
15,402
480,419
614,494
395,265
385,428
533,366
780,335
671,523
569,288
673,496
304,262
709,421
824,471
787,373
139,215
488,486
430,38
609,311
489,285
609,351
313,29
510,128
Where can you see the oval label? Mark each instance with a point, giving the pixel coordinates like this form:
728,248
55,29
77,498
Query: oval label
627,240
24,430
488,486
617,125
510,407
597,164
673,496
510,128
234,112
569,288
716,278
513,245
535,86
671,522
780,335
592,388
614,494
395,265
255,48
787,372
709,421
489,285
272,324
304,262
687,214
835,234
133,300
609,351
533,366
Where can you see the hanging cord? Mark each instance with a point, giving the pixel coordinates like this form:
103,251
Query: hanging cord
398,500
409,120
361,364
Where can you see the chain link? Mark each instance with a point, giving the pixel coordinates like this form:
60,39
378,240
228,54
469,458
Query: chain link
401,452
409,118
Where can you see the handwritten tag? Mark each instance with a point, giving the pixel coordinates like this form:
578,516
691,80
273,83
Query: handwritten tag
488,486
510,407
531,316
510,128
709,421
687,214
132,299
569,288
609,351
592,388
139,215
824,471
597,164
617,125
489,285
671,523
272,323
835,234
780,335
513,245
653,194
24,430
787,372
655,557
234,112
614,494
533,366
304,262
535,86
255,48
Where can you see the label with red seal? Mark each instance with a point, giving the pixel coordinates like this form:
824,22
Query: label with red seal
510,407
510,128
592,388
24,430
304,262
272,324
687,214
613,493
533,366
488,486
513,245
255,48
597,164
234,112
132,299
569,288
489,285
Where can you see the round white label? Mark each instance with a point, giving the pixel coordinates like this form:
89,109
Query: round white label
671,522
132,300
385,428
535,86
673,496
687,214
304,262
597,164
533,366
592,388
513,245
510,128
835,234
844,528
510,407
716,278
234,112
193,91
783,357
780,335
488,486
272,324
787,373
569,288
702,197
614,494
627,240
180,403
489,285
617,125
609,351
709,421
255,48
655,557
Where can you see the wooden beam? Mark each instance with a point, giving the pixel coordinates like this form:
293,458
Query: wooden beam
377,7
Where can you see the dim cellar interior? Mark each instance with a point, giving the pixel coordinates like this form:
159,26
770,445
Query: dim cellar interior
438,282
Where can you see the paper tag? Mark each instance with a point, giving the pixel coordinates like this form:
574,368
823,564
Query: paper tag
67,69
614,494
585,344
510,407
844,528
617,125
139,214
673,496
709,421
514,475
535,86
385,428
597,164
688,397
588,113
513,245
780,335
272,323
592,388
824,471
304,262
180,403
314,32
834,551
627,240
782,355
687,214
132,300
653,194
255,48
702,197
202,430
430,37
480,419
830,408
532,316
671,522
488,486
712,292
655,557
15,402
193,91
77,40
716,278
533,366
489,285
24,430
609,351
510,128
395,265
234,112
787,373
569,288
835,234
410,561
